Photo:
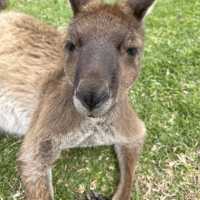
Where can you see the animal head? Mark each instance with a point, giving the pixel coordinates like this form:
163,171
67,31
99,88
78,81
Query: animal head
103,48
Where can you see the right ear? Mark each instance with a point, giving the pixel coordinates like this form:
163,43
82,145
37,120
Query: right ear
138,8
79,5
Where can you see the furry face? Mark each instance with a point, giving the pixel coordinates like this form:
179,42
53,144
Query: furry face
102,54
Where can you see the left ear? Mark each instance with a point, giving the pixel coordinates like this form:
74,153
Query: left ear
139,8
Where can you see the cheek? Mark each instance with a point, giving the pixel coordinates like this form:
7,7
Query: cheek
70,70
128,74
128,77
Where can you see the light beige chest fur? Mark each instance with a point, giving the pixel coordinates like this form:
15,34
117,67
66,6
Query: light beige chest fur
92,132
98,132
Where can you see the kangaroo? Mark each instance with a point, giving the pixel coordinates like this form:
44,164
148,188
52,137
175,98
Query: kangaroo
66,90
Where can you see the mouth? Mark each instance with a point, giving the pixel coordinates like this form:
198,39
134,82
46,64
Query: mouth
91,116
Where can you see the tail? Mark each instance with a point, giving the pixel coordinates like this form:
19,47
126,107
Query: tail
3,4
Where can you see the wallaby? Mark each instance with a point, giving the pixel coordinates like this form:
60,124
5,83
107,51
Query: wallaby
71,90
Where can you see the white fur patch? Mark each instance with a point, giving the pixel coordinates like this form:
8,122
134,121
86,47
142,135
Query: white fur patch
79,106
14,117
150,9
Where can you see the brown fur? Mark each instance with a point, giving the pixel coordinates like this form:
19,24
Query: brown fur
40,76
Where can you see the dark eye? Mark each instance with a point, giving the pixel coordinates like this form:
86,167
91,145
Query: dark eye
70,46
132,51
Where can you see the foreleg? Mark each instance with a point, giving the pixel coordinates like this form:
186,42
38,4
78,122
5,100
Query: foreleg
127,157
35,161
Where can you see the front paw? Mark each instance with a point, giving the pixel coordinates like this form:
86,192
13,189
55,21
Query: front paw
95,196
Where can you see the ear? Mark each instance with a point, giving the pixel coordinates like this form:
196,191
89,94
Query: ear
139,8
79,5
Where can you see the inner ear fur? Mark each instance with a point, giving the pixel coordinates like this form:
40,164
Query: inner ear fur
138,8
80,5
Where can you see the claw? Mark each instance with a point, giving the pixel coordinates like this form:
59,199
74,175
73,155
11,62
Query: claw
95,196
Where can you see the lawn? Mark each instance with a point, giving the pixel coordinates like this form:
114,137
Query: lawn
167,97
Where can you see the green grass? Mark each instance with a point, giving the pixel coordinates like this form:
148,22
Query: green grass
167,97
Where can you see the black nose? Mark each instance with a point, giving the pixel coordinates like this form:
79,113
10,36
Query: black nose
92,99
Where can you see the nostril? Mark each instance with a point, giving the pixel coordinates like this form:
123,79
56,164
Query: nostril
92,100
102,98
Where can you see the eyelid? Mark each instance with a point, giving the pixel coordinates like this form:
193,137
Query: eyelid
133,42
128,43
134,46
